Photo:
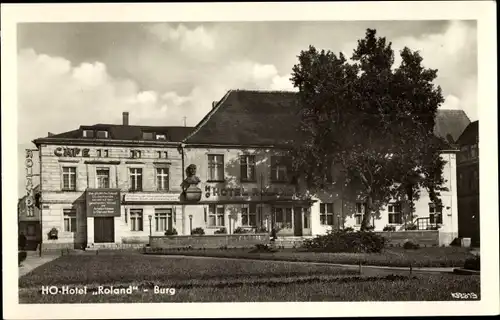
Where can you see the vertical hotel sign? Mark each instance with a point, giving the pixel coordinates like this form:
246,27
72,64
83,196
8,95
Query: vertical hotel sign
28,162
103,203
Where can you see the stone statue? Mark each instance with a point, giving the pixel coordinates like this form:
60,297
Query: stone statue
189,185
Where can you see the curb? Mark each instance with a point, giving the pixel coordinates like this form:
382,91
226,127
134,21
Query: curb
463,271
414,269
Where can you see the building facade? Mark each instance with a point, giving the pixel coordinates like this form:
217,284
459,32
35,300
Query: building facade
237,147
105,184
117,184
28,217
468,183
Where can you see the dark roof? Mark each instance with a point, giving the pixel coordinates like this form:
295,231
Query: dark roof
127,132
470,134
452,122
249,118
267,118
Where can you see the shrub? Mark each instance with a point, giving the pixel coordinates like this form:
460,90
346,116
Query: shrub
411,226
262,230
473,263
348,229
432,228
198,231
389,228
342,241
408,245
263,248
240,230
221,231
21,256
172,232
370,228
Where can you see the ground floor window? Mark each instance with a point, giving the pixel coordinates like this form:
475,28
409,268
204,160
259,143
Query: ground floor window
394,210
435,213
162,218
249,215
326,214
136,220
69,220
283,217
360,212
216,215
30,230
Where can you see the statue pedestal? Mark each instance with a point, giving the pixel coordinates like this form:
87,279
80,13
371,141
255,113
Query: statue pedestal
192,193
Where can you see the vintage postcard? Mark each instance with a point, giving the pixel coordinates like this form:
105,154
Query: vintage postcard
249,159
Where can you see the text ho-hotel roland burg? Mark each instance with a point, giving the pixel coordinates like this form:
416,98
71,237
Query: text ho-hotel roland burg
109,185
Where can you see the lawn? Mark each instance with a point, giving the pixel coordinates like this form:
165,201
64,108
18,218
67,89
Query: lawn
198,279
395,257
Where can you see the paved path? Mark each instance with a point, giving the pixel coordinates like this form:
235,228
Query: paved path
366,269
33,260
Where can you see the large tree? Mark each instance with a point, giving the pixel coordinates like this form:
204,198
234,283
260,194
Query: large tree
372,123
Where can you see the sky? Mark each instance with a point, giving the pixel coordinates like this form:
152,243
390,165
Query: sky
72,74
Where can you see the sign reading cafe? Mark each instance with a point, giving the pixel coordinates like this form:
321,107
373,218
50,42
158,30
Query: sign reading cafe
72,152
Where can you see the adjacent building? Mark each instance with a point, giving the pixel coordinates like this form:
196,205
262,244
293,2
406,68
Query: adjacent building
28,218
468,183
109,184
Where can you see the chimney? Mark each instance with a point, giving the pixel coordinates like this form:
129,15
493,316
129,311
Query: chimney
214,103
125,118
50,134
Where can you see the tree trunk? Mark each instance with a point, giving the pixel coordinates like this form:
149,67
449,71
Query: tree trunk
365,223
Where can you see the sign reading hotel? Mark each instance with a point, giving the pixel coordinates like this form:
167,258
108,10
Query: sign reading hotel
103,203
240,192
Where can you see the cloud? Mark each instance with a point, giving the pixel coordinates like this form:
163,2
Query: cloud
188,39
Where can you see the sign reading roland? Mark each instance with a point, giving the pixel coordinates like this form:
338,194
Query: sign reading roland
103,203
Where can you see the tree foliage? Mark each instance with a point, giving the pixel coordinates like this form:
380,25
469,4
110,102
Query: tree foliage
369,122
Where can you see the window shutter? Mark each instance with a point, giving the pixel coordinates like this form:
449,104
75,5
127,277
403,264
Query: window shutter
243,168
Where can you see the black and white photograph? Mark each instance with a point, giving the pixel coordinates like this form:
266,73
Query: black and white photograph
201,153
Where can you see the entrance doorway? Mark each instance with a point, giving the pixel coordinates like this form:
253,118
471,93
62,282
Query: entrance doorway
297,221
104,229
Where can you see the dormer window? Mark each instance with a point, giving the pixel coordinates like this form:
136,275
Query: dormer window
135,154
102,134
161,137
88,133
147,135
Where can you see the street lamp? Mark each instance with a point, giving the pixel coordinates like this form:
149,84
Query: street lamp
190,224
149,216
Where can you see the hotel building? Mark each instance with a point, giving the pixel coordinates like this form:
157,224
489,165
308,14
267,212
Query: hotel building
238,149
114,185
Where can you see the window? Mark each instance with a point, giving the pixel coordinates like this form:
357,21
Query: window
161,154
30,211
326,214
247,168
136,221
30,230
435,213
136,179
464,151
216,215
88,133
215,167
473,151
162,179
69,220
161,137
147,135
161,219
360,212
101,134
248,215
69,178
279,169
283,217
102,178
135,154
394,210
